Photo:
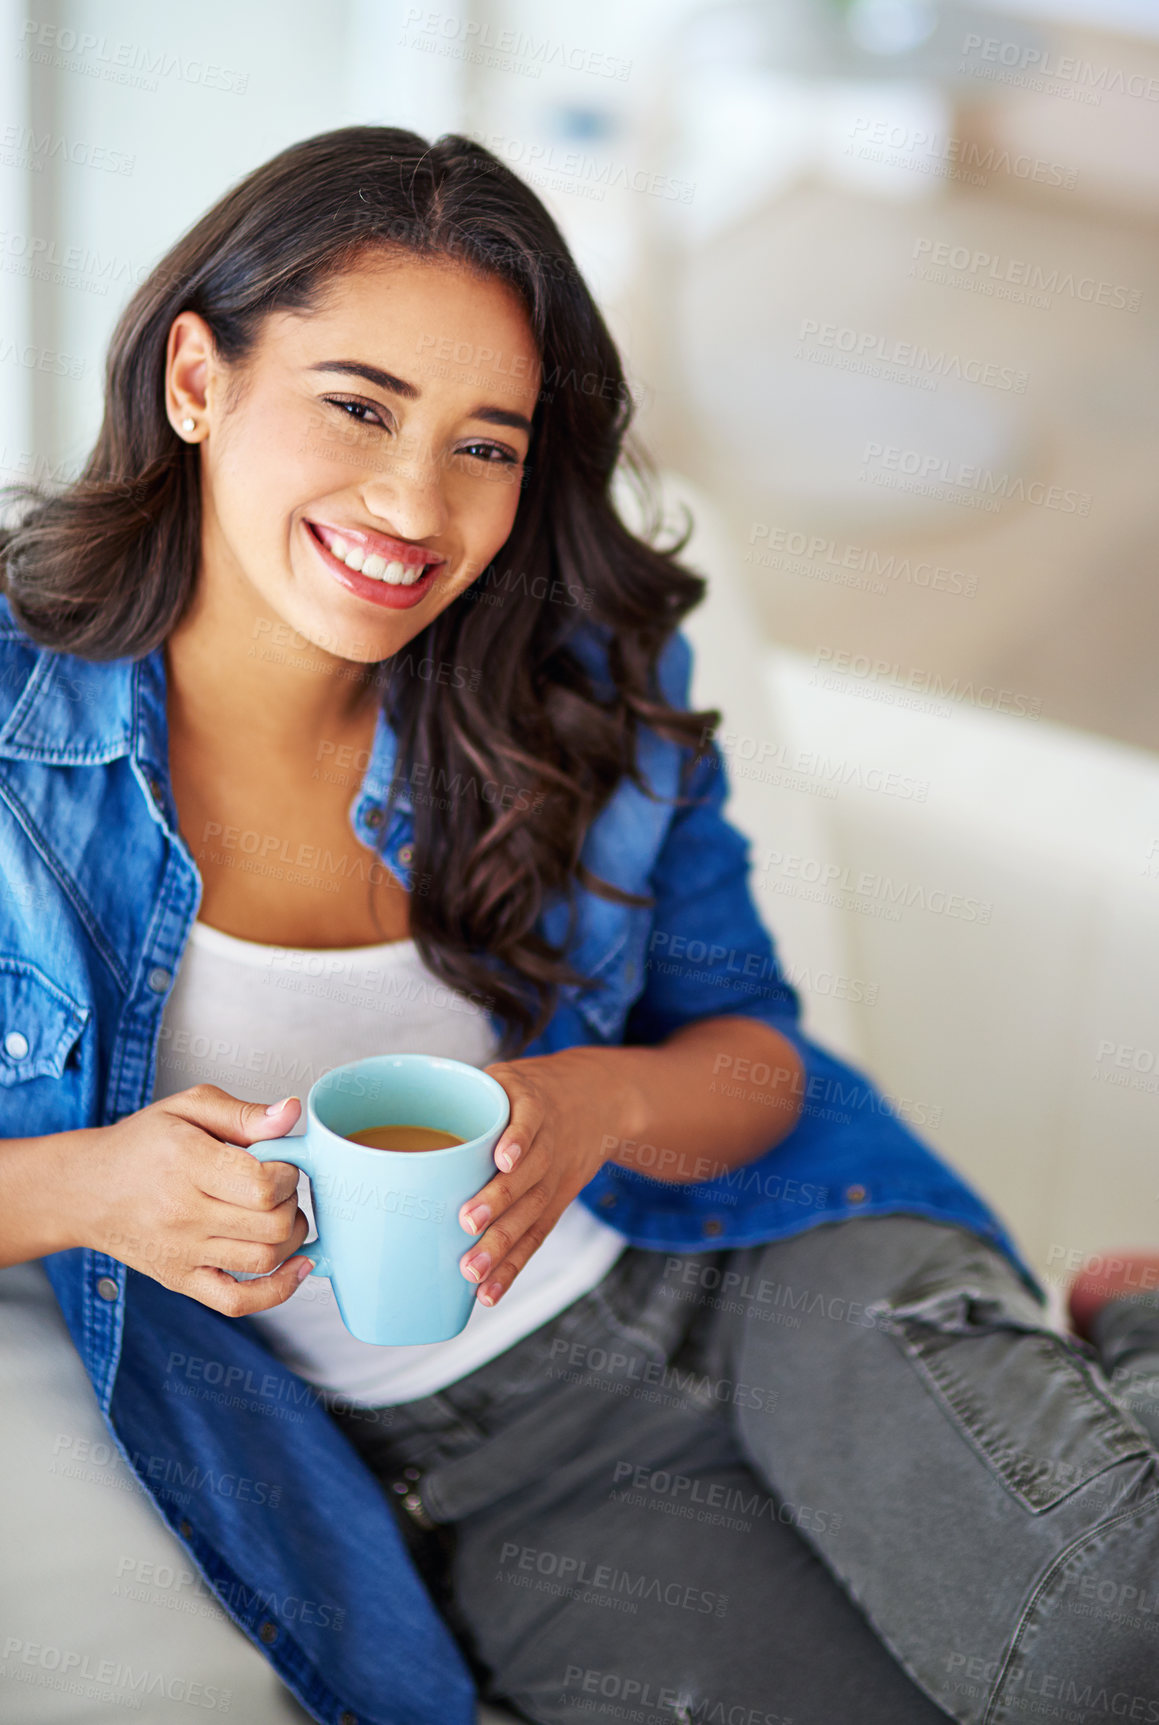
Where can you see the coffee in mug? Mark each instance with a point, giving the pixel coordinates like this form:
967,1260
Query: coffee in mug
404,1138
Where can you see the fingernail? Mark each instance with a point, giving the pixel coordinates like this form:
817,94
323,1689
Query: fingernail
473,1220
490,1293
477,1265
276,1107
302,1268
508,1156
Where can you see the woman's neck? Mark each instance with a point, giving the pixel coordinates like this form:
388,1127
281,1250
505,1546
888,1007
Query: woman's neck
242,681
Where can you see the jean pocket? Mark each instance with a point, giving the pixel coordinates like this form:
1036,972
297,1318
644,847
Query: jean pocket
1022,1396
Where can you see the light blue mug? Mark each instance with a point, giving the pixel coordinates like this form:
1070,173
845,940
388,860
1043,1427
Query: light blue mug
389,1236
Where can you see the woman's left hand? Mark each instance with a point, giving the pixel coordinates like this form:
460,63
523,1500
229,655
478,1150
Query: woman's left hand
565,1110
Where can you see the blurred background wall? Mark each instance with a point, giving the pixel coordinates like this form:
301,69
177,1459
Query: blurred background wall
886,281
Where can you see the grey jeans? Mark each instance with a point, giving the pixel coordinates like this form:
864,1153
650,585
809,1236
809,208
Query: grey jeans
851,1476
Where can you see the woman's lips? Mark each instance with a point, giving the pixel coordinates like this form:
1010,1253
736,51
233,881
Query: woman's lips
378,554
394,595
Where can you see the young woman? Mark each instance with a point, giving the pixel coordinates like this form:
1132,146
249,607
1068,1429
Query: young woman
339,714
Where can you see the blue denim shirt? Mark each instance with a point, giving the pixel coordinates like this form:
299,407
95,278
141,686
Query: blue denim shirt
239,1454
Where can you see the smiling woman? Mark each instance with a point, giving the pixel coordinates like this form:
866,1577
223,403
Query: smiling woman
461,318
298,488
296,445
341,715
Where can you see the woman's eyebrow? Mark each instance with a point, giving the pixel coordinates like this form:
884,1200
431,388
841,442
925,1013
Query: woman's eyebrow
372,374
411,392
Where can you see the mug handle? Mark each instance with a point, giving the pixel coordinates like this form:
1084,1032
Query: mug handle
270,1150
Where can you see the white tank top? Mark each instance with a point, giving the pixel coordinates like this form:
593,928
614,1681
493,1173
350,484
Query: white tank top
264,1022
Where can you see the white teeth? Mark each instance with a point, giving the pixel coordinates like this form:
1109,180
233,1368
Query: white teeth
396,573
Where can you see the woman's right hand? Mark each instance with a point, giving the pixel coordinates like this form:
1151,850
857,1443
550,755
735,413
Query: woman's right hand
168,1191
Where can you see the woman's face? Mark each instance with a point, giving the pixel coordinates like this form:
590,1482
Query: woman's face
379,435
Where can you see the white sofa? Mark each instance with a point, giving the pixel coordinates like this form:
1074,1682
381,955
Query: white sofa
1007,1035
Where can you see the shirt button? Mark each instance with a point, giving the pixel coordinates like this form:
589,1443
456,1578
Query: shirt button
713,1226
856,1194
268,1632
16,1045
347,1719
107,1288
159,979
609,1201
375,817
406,855
185,1529
154,789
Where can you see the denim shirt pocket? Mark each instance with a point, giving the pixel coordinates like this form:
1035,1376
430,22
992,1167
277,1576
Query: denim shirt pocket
40,1024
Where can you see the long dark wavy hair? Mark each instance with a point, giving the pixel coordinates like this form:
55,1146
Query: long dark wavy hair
105,566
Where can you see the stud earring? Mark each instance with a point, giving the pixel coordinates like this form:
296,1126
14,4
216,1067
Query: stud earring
189,425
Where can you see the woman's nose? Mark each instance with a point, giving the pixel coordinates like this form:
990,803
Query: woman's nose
408,491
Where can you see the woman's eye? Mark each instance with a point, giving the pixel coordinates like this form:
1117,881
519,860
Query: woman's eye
493,453
354,408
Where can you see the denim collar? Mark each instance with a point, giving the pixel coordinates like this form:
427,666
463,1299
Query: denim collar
74,712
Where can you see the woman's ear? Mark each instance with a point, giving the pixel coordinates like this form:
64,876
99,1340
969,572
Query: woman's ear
190,362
